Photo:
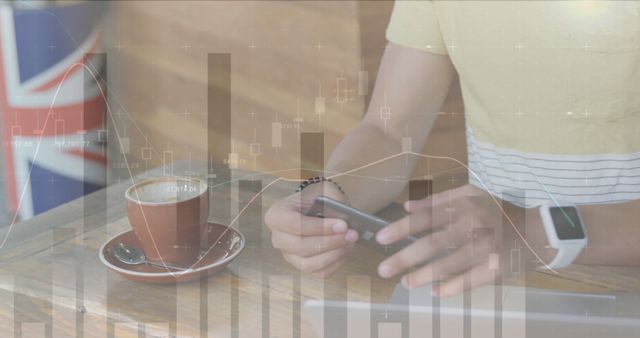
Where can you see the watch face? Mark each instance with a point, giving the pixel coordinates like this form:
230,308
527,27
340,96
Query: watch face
567,222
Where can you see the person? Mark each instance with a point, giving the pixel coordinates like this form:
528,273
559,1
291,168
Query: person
552,106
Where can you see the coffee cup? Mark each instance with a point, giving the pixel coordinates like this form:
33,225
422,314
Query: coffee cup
167,215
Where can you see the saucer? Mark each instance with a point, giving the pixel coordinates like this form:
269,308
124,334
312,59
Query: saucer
229,243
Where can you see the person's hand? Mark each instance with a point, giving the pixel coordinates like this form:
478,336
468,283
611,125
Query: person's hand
467,228
314,245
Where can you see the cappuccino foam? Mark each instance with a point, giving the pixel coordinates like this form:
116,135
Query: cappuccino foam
163,191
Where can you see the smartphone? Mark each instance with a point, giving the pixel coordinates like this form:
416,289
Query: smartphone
365,224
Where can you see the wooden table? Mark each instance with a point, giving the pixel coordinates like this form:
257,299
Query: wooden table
53,285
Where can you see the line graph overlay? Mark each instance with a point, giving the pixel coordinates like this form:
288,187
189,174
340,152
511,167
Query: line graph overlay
495,200
69,70
244,208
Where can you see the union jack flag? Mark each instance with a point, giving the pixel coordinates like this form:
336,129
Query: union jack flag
52,112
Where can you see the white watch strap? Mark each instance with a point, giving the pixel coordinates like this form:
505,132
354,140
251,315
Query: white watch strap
566,255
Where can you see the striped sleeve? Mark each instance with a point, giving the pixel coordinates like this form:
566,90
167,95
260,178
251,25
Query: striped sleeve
530,179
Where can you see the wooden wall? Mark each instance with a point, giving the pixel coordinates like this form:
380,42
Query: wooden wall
284,55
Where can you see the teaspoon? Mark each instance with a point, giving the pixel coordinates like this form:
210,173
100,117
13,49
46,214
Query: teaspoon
133,256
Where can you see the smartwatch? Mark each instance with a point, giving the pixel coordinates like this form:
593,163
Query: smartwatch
565,232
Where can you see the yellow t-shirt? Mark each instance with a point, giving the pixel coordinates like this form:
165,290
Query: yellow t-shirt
551,92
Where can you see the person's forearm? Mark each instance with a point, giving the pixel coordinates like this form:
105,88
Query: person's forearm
373,186
410,89
613,234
